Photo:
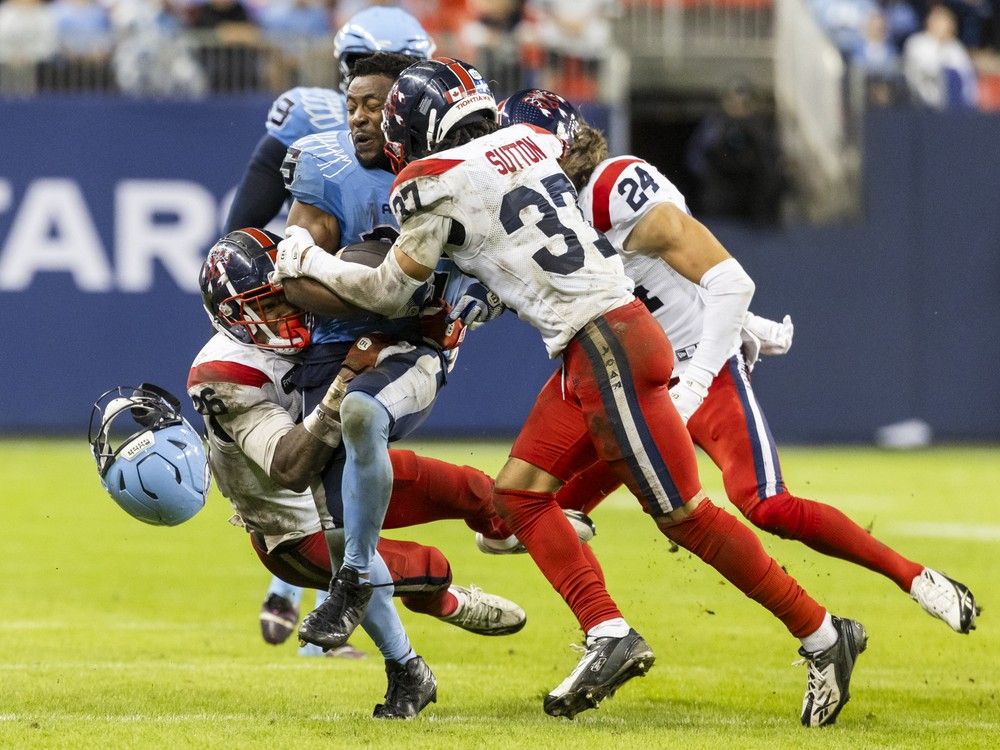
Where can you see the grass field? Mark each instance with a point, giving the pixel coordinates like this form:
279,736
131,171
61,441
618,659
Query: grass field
115,634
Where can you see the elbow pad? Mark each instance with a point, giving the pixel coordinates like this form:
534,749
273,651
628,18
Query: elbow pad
728,291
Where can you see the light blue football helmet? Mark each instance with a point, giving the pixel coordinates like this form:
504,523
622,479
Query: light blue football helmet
159,472
379,29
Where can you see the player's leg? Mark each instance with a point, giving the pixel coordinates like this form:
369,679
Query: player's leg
619,368
731,427
422,577
425,489
552,445
587,490
385,401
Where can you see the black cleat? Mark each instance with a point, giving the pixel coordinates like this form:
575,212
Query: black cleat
607,665
411,687
333,621
830,674
277,619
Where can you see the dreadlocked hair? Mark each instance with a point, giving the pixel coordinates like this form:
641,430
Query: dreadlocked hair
388,64
468,129
589,148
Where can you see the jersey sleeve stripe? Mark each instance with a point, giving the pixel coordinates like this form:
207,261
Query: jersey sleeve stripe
602,192
217,371
425,168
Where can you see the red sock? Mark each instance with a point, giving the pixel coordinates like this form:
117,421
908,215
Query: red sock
439,604
592,559
425,489
541,526
827,530
731,548
588,488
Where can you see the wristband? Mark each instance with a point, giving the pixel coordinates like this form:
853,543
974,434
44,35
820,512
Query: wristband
323,425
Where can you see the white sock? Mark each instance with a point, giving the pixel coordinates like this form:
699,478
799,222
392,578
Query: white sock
614,628
823,637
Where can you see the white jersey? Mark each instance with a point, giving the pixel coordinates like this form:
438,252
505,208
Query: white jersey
506,213
619,193
247,407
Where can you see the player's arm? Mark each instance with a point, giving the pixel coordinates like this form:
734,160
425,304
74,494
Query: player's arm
305,293
261,193
383,289
686,245
291,454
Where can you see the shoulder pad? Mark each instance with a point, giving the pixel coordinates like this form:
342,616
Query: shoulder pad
625,187
419,186
303,111
218,387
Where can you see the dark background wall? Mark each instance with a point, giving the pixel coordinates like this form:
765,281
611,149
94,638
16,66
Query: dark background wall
897,316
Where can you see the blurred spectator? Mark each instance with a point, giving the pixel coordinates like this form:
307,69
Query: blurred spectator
971,16
28,32
938,69
85,44
490,38
844,21
575,35
295,19
902,20
231,60
734,152
880,64
84,28
151,57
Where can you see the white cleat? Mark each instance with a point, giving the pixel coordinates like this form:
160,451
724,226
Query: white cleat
580,521
829,679
945,599
485,614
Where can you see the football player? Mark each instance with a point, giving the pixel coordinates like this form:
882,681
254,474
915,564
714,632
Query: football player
341,188
263,462
303,111
497,202
646,218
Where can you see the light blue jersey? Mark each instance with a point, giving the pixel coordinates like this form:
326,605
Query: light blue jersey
304,111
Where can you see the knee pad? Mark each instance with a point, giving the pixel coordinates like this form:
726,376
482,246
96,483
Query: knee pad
782,515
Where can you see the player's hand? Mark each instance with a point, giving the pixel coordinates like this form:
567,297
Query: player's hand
477,306
291,254
772,338
438,328
688,395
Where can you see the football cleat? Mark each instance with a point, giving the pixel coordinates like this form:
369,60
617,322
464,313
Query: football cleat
829,678
333,621
607,665
945,599
411,687
278,618
485,614
580,521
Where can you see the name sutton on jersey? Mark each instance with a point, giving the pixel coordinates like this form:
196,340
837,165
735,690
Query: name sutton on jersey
514,156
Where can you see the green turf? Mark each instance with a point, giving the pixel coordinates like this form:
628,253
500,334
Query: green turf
115,634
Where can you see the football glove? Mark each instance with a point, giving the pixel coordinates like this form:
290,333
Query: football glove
291,254
765,337
477,306
438,328
690,391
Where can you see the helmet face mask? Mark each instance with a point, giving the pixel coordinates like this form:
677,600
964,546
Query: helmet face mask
544,109
427,102
158,472
240,300
379,29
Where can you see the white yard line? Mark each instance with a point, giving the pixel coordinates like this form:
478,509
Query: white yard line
980,532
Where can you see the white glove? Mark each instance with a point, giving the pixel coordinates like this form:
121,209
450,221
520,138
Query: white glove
288,264
762,336
690,392
477,306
